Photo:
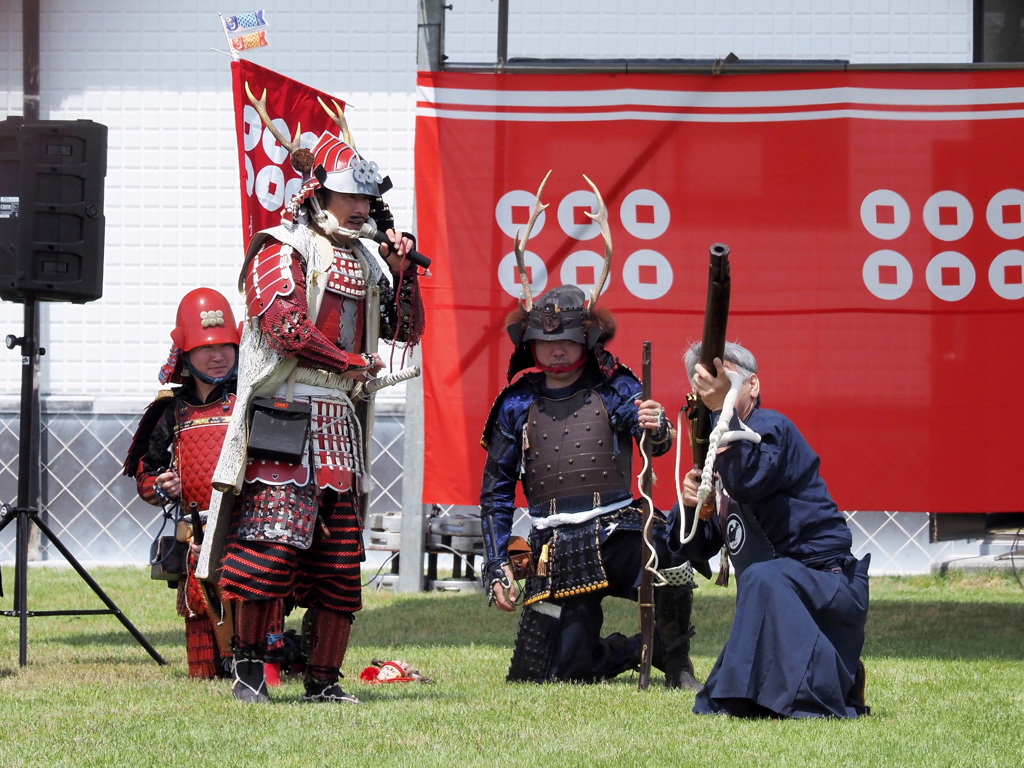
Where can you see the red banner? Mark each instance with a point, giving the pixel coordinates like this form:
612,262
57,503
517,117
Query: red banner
875,221
268,181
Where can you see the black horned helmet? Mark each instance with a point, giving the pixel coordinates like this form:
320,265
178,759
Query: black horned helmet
563,312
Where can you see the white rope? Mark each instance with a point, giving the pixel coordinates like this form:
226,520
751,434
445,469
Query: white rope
720,435
684,535
651,566
576,518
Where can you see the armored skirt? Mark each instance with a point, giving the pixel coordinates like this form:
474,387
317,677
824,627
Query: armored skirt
795,643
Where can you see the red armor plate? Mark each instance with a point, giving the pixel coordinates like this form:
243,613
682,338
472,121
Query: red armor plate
198,437
346,276
276,473
269,276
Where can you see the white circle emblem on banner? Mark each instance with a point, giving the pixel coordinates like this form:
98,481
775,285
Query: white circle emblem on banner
887,274
573,218
645,214
1006,275
508,274
950,276
948,215
647,275
270,187
275,151
885,214
512,212
1005,214
252,128
583,269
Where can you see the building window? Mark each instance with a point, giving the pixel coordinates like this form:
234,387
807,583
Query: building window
998,35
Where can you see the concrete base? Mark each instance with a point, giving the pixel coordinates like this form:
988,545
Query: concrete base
1006,561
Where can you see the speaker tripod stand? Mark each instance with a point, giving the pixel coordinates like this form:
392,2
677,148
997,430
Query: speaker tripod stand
24,514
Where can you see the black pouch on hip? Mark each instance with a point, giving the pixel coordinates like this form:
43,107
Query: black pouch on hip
279,429
167,558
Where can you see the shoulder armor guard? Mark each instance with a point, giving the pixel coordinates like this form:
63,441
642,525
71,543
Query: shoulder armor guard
140,441
269,276
523,392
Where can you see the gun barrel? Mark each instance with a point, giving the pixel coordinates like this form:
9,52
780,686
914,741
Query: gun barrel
646,591
716,319
716,310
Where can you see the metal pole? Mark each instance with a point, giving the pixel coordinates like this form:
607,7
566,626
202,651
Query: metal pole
28,468
430,43
502,34
29,472
412,539
30,58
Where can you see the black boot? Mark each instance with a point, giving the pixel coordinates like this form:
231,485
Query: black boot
673,607
320,690
325,637
856,698
622,654
250,683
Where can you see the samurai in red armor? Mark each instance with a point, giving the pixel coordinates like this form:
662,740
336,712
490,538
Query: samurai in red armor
288,530
178,442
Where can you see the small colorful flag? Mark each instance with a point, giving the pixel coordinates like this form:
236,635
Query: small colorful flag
251,25
245,42
245,21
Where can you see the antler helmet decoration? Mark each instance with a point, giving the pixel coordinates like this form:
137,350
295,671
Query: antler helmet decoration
563,312
332,164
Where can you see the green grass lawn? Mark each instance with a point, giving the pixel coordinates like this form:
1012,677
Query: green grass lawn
944,659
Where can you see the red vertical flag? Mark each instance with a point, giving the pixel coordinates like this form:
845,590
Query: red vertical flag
268,181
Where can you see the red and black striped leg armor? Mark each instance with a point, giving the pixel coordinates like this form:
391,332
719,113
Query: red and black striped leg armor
254,621
325,636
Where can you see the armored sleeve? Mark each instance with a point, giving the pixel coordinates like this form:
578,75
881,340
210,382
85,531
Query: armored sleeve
284,317
498,492
402,315
401,308
620,400
158,458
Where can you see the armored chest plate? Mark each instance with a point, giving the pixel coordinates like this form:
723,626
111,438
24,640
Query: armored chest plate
571,449
198,436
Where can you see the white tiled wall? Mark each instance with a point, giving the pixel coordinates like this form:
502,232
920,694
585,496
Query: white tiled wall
147,70
171,199
859,31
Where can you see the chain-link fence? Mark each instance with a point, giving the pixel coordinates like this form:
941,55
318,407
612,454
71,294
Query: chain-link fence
96,514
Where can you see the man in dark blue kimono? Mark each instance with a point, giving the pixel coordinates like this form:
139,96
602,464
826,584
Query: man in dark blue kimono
802,597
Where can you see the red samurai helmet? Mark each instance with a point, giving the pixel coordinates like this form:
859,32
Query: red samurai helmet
204,317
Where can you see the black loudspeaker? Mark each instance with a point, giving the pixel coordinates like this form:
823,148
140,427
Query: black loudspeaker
51,209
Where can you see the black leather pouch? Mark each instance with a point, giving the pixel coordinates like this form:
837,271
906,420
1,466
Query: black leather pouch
279,429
